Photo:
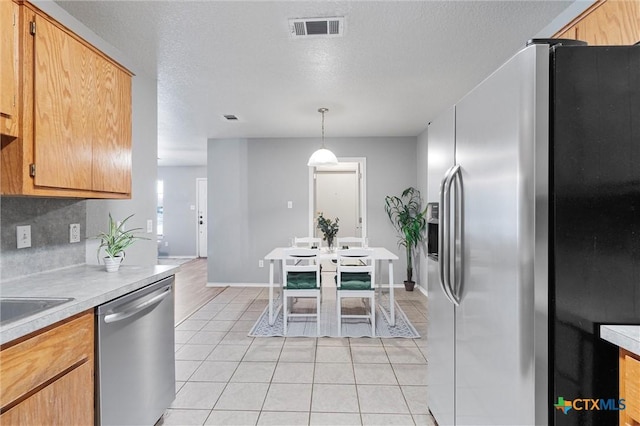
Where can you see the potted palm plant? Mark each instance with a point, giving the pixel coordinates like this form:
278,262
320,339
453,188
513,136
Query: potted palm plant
408,218
114,241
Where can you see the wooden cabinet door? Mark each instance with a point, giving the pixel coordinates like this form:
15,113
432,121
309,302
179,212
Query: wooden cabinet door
48,377
63,402
112,129
615,22
8,66
63,86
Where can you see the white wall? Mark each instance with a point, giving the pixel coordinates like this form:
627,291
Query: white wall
251,180
180,222
144,155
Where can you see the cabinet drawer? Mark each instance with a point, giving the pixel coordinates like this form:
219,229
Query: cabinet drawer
31,364
632,387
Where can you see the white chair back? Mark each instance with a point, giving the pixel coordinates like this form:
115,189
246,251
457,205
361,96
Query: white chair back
350,242
307,241
300,259
355,260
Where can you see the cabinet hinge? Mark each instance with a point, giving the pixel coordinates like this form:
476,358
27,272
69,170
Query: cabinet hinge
32,27
32,170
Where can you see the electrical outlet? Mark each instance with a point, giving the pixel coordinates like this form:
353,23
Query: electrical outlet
74,233
260,263
149,226
23,236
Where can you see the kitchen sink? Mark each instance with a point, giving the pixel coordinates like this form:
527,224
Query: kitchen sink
15,308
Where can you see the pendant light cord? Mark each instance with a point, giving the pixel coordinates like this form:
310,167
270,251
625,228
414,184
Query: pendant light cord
322,111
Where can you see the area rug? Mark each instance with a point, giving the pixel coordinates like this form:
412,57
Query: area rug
329,322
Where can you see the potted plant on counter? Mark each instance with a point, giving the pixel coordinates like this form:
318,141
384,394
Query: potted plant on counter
409,220
114,241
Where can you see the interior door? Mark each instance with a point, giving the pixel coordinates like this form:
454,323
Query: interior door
337,194
201,207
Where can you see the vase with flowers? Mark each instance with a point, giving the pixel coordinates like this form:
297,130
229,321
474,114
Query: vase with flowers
329,229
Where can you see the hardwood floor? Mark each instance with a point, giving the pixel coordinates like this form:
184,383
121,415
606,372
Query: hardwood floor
191,289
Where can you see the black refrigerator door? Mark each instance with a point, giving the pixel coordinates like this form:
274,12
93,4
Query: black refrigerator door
595,212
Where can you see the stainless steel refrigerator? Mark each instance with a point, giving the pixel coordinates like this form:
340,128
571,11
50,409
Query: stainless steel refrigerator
536,175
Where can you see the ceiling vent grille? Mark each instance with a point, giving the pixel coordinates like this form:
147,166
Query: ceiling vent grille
316,27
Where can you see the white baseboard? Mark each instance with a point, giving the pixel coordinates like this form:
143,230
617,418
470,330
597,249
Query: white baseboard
177,257
217,284
209,284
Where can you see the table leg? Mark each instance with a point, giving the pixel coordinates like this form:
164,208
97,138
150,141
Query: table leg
392,304
271,319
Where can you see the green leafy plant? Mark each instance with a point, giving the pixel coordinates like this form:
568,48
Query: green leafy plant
329,228
408,218
117,239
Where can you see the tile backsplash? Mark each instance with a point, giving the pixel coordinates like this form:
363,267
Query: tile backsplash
50,248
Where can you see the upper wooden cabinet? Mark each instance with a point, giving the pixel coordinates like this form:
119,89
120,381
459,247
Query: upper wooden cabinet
8,68
607,22
75,136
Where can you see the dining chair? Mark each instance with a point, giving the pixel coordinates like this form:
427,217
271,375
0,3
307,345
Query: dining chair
347,242
306,241
356,280
351,242
301,279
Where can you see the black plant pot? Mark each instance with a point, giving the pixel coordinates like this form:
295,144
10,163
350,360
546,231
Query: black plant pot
409,285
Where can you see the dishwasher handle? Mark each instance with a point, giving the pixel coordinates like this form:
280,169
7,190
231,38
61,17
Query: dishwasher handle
154,299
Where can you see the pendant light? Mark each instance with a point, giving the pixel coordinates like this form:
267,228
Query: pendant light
322,157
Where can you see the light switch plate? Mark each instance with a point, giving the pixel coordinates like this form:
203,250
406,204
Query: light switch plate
23,236
149,226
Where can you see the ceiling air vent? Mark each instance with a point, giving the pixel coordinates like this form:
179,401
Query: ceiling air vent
316,27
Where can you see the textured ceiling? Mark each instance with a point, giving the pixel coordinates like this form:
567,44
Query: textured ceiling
398,65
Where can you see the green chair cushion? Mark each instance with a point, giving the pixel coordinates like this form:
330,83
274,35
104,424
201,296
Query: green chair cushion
301,280
355,281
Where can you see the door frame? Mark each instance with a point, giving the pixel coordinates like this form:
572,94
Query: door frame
198,203
362,189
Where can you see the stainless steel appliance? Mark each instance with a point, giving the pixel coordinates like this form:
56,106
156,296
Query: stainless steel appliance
135,377
537,176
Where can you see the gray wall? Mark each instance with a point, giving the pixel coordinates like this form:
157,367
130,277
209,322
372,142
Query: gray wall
421,264
50,218
251,180
180,222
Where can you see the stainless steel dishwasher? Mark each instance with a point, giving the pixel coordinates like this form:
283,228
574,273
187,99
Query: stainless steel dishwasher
135,377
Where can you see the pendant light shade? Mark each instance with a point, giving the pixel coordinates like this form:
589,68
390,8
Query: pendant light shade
322,157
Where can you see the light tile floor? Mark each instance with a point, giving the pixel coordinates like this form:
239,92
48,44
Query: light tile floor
225,377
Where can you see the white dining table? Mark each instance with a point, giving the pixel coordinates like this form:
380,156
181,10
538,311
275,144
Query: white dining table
380,254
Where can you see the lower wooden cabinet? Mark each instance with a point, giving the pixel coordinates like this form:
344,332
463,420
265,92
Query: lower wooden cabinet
48,377
630,388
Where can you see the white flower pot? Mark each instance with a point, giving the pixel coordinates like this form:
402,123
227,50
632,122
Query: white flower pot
112,263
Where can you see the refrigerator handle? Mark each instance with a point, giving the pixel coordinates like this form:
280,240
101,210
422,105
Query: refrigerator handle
444,237
458,238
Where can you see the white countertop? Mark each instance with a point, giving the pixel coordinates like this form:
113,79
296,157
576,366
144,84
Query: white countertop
88,285
625,336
